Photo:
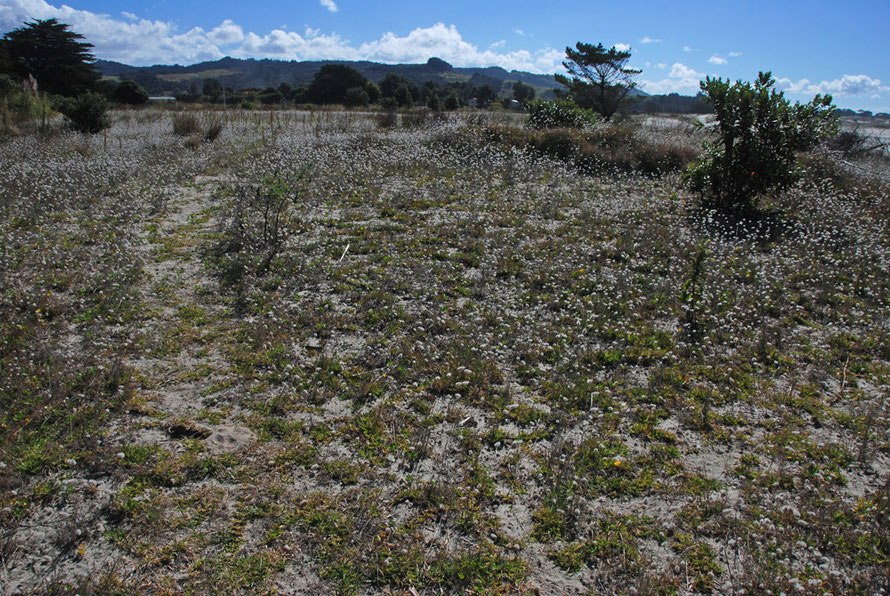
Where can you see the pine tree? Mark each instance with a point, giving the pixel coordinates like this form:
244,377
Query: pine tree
601,78
55,56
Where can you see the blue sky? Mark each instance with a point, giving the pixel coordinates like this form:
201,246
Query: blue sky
811,47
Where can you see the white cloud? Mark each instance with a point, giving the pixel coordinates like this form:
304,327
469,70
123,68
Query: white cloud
287,45
681,79
715,59
142,42
518,31
661,66
227,33
735,54
130,16
138,42
859,84
13,14
330,5
498,44
622,47
648,39
446,42
687,49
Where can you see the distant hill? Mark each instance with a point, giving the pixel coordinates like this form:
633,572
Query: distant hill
250,73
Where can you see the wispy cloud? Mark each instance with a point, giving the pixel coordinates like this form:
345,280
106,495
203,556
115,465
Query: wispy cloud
735,54
715,59
687,49
622,47
330,5
648,39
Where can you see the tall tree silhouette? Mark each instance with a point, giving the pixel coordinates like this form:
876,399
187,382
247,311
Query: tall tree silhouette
54,55
601,78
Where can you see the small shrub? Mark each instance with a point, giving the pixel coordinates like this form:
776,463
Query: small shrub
613,136
658,159
87,113
558,113
387,119
561,143
416,119
855,143
213,127
760,134
185,125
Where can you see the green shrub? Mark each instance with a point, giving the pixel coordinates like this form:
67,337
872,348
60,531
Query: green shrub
130,93
760,134
558,113
87,113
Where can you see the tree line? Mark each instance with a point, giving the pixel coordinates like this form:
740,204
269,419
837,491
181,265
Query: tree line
344,85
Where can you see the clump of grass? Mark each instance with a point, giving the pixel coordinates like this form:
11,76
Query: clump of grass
185,125
196,131
213,127
387,119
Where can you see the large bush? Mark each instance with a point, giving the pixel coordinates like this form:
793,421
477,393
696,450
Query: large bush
130,93
760,134
86,113
557,113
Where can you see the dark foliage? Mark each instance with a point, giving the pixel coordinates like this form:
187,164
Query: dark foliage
523,92
760,134
55,56
87,113
130,93
600,78
331,83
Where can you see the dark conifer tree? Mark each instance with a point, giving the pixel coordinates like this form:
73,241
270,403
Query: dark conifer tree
52,54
